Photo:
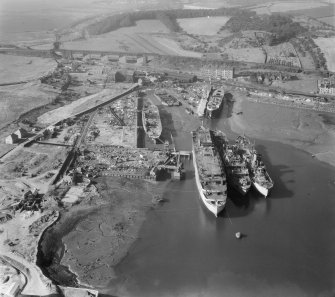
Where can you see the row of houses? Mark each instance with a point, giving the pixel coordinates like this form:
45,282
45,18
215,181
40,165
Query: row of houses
127,59
218,73
326,86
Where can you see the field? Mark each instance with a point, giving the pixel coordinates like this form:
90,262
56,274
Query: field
174,47
269,8
203,25
327,47
148,36
18,99
23,20
245,54
17,68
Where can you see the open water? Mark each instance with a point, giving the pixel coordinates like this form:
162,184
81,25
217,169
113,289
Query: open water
288,250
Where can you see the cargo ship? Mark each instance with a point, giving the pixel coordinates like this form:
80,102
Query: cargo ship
152,122
236,169
260,178
209,173
215,103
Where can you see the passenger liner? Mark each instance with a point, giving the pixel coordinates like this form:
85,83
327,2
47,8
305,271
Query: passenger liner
209,173
152,122
215,103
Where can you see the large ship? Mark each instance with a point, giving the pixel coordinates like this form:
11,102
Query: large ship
260,178
236,169
215,103
203,101
209,172
152,122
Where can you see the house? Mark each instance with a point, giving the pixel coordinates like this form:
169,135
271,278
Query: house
128,59
11,139
123,75
111,58
21,133
51,129
77,56
142,60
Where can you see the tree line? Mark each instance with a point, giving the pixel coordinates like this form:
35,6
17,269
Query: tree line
282,27
168,17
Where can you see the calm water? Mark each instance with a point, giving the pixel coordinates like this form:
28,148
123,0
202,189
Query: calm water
289,249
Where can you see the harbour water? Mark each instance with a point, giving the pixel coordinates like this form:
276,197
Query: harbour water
288,248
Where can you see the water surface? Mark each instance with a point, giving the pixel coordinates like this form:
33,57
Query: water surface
288,249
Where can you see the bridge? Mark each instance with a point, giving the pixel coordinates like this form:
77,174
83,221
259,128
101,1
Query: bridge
187,154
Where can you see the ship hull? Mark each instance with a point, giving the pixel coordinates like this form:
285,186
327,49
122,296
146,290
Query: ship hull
154,135
238,188
261,189
213,209
214,113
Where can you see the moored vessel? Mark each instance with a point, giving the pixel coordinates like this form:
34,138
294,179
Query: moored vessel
260,178
236,169
151,122
215,103
209,173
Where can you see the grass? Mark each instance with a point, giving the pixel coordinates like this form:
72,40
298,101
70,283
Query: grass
203,25
123,40
327,47
17,68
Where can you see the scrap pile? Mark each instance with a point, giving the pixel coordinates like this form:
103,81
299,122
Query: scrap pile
31,201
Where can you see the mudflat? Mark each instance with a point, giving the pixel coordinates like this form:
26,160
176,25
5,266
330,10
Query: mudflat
308,130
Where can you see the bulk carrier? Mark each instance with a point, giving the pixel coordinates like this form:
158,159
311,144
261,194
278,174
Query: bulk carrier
209,172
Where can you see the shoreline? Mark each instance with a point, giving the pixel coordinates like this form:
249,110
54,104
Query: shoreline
85,232
301,128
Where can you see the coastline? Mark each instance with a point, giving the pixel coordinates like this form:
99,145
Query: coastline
29,229
91,238
308,130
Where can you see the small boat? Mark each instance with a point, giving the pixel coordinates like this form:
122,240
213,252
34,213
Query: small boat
238,235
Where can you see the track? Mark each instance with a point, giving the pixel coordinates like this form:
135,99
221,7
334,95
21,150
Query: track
148,46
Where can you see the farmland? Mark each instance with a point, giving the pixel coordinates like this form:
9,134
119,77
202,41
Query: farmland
134,39
287,6
327,47
203,25
15,69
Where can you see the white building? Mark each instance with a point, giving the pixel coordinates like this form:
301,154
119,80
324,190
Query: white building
21,133
326,86
223,73
11,139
